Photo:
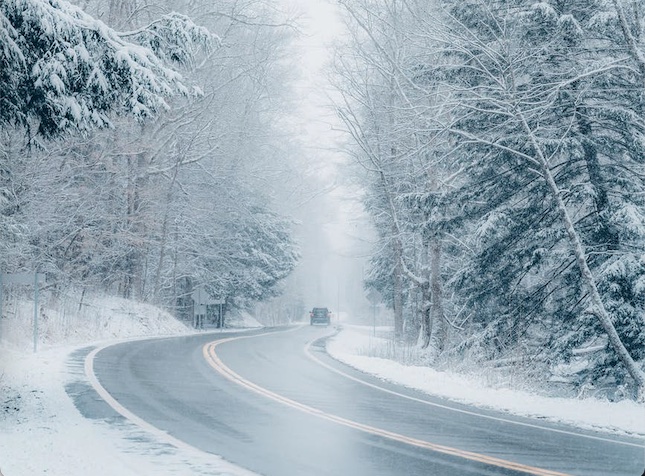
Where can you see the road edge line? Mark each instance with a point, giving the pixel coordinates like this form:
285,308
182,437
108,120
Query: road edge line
448,407
148,427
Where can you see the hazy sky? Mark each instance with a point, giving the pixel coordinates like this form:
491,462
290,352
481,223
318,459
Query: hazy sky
338,255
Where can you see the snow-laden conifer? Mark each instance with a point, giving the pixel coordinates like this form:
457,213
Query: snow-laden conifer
63,69
536,106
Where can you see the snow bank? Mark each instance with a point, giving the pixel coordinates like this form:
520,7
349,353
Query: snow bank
77,320
42,432
351,345
242,319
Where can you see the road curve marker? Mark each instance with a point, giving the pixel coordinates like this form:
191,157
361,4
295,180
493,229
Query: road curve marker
211,357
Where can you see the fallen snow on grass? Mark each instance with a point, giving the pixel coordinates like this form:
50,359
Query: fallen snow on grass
242,319
41,430
351,345
77,320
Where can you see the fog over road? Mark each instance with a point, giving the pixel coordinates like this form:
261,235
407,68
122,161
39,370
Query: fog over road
275,403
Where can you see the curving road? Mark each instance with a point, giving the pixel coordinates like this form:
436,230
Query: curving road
275,403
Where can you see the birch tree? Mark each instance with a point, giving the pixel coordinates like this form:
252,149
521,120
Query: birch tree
508,84
535,111
384,110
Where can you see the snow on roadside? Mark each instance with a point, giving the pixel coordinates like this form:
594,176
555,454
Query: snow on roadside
42,432
243,319
618,417
69,321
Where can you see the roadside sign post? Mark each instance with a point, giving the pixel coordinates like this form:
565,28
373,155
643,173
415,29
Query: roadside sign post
202,299
199,297
374,297
28,278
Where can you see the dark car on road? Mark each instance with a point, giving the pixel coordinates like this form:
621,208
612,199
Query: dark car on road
320,316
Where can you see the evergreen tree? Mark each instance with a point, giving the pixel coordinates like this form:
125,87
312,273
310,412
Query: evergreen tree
532,109
62,69
535,108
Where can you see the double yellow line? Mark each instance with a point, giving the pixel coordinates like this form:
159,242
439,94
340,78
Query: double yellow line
210,354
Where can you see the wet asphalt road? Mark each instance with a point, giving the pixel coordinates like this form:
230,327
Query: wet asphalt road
170,384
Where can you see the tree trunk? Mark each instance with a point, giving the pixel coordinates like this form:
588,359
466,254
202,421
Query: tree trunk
426,322
439,329
135,265
164,235
398,293
411,321
598,308
605,233
426,301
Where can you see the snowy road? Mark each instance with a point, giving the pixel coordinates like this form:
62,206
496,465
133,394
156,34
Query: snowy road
273,404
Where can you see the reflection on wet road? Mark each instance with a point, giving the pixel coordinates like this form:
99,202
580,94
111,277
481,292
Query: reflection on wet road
261,402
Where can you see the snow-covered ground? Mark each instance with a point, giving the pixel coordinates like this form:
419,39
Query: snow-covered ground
354,344
42,432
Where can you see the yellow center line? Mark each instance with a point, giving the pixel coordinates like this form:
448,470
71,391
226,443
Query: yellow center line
209,352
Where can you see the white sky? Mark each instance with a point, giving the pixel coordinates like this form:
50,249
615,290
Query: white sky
321,27
339,259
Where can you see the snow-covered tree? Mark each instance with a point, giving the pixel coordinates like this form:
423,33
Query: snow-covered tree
62,69
530,114
139,208
388,95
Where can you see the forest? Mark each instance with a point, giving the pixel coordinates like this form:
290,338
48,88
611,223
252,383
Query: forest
498,145
139,145
501,147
